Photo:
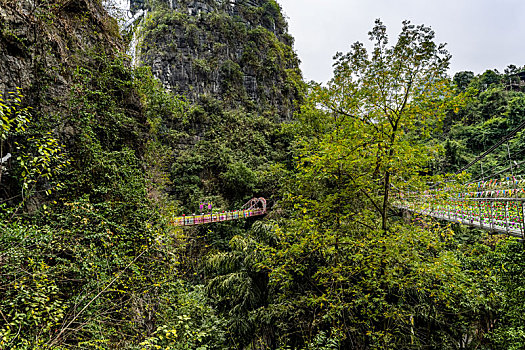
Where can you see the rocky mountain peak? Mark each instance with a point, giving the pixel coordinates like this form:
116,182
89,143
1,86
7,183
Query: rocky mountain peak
238,51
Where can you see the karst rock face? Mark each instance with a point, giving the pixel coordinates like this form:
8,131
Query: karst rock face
67,59
42,42
236,51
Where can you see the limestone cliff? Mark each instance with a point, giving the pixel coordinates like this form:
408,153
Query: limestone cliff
41,42
236,51
67,58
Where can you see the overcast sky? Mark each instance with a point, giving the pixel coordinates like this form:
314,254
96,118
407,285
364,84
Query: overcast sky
481,34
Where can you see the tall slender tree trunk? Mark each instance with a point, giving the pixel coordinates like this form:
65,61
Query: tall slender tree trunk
385,202
384,211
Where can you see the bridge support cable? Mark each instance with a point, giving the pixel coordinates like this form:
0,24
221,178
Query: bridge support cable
495,205
507,137
506,170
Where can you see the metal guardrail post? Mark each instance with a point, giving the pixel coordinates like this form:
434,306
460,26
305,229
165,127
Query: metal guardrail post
507,216
461,213
492,216
471,207
480,214
522,221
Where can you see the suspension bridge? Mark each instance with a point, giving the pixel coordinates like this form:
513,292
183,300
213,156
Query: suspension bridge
254,207
496,205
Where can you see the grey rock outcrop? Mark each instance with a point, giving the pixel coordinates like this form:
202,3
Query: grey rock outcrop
236,51
38,46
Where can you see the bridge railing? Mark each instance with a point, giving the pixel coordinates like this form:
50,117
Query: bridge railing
502,215
254,207
191,220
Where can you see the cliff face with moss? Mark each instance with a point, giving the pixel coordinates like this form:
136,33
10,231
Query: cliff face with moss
239,52
66,59
76,185
41,43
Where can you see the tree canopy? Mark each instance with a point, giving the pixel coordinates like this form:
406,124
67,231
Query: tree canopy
98,157
379,107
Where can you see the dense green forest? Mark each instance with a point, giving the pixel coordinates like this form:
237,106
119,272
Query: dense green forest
98,156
